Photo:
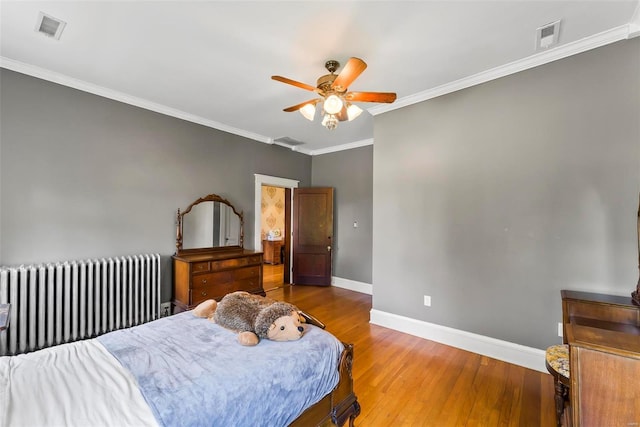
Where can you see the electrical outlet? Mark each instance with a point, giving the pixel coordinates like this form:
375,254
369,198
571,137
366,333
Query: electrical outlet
560,329
427,300
165,309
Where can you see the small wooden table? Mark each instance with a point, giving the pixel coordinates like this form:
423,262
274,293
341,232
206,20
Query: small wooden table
271,249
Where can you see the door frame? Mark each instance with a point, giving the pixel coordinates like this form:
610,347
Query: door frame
273,181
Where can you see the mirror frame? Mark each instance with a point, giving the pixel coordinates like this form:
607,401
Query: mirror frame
635,295
179,224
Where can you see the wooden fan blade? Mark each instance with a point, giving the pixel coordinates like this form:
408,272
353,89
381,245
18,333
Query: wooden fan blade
387,97
350,72
294,83
342,114
302,104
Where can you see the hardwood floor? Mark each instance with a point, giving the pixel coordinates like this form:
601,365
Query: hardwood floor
272,276
402,380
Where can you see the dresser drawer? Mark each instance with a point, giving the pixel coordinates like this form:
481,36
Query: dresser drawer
200,267
203,276
203,280
234,263
215,291
247,273
228,263
256,259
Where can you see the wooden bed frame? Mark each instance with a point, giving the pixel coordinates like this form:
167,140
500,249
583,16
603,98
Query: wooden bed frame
338,406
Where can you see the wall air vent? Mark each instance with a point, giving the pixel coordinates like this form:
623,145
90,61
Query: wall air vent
49,26
547,35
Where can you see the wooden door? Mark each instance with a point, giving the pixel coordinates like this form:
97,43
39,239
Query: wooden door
312,236
287,236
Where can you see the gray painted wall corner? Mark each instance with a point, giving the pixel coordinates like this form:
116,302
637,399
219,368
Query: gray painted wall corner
509,192
350,173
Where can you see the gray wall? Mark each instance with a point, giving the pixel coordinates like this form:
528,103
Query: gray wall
350,173
494,198
83,176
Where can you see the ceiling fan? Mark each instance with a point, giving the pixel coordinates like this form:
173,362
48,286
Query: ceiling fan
334,95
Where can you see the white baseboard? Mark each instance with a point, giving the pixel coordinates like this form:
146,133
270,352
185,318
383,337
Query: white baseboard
517,354
352,285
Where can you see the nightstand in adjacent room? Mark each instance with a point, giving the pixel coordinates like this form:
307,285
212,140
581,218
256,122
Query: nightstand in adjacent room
272,251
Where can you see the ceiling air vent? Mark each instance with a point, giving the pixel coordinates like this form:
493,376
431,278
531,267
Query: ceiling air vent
547,35
285,141
49,26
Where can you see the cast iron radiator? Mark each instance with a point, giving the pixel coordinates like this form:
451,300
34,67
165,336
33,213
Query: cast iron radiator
67,301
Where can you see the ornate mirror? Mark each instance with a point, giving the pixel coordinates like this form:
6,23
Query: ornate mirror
209,223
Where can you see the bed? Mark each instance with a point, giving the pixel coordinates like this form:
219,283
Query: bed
181,371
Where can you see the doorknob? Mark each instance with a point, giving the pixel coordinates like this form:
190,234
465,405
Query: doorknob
328,248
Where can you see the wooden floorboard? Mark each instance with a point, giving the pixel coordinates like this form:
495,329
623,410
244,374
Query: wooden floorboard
402,380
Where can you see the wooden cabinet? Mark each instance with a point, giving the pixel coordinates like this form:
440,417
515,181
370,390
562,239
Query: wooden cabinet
599,311
207,275
272,249
603,333
605,367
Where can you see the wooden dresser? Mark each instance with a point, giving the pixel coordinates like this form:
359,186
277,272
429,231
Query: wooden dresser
210,259
603,333
272,250
202,276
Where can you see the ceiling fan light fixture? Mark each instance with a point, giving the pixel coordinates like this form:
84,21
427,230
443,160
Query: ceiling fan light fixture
353,111
332,104
330,121
308,111
334,94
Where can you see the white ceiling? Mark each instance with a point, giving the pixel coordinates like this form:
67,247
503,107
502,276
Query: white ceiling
211,62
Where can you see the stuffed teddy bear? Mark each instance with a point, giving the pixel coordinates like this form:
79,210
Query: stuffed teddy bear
253,317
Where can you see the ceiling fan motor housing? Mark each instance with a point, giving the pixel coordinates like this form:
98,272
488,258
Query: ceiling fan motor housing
332,87
324,82
332,65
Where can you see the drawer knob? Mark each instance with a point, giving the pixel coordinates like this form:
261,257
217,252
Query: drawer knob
204,281
204,294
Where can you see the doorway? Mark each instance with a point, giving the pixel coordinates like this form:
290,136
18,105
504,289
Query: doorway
274,274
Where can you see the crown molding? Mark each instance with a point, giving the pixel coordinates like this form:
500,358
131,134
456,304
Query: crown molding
296,148
627,31
349,146
634,24
81,85
61,79
607,37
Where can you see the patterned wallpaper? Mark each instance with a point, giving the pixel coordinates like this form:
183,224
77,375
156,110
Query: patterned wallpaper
272,210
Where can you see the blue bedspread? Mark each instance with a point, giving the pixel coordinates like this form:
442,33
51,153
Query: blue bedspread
194,373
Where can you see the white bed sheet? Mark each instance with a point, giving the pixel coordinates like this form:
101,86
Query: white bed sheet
76,384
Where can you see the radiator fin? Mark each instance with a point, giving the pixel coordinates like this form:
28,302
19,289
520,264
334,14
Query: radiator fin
57,303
